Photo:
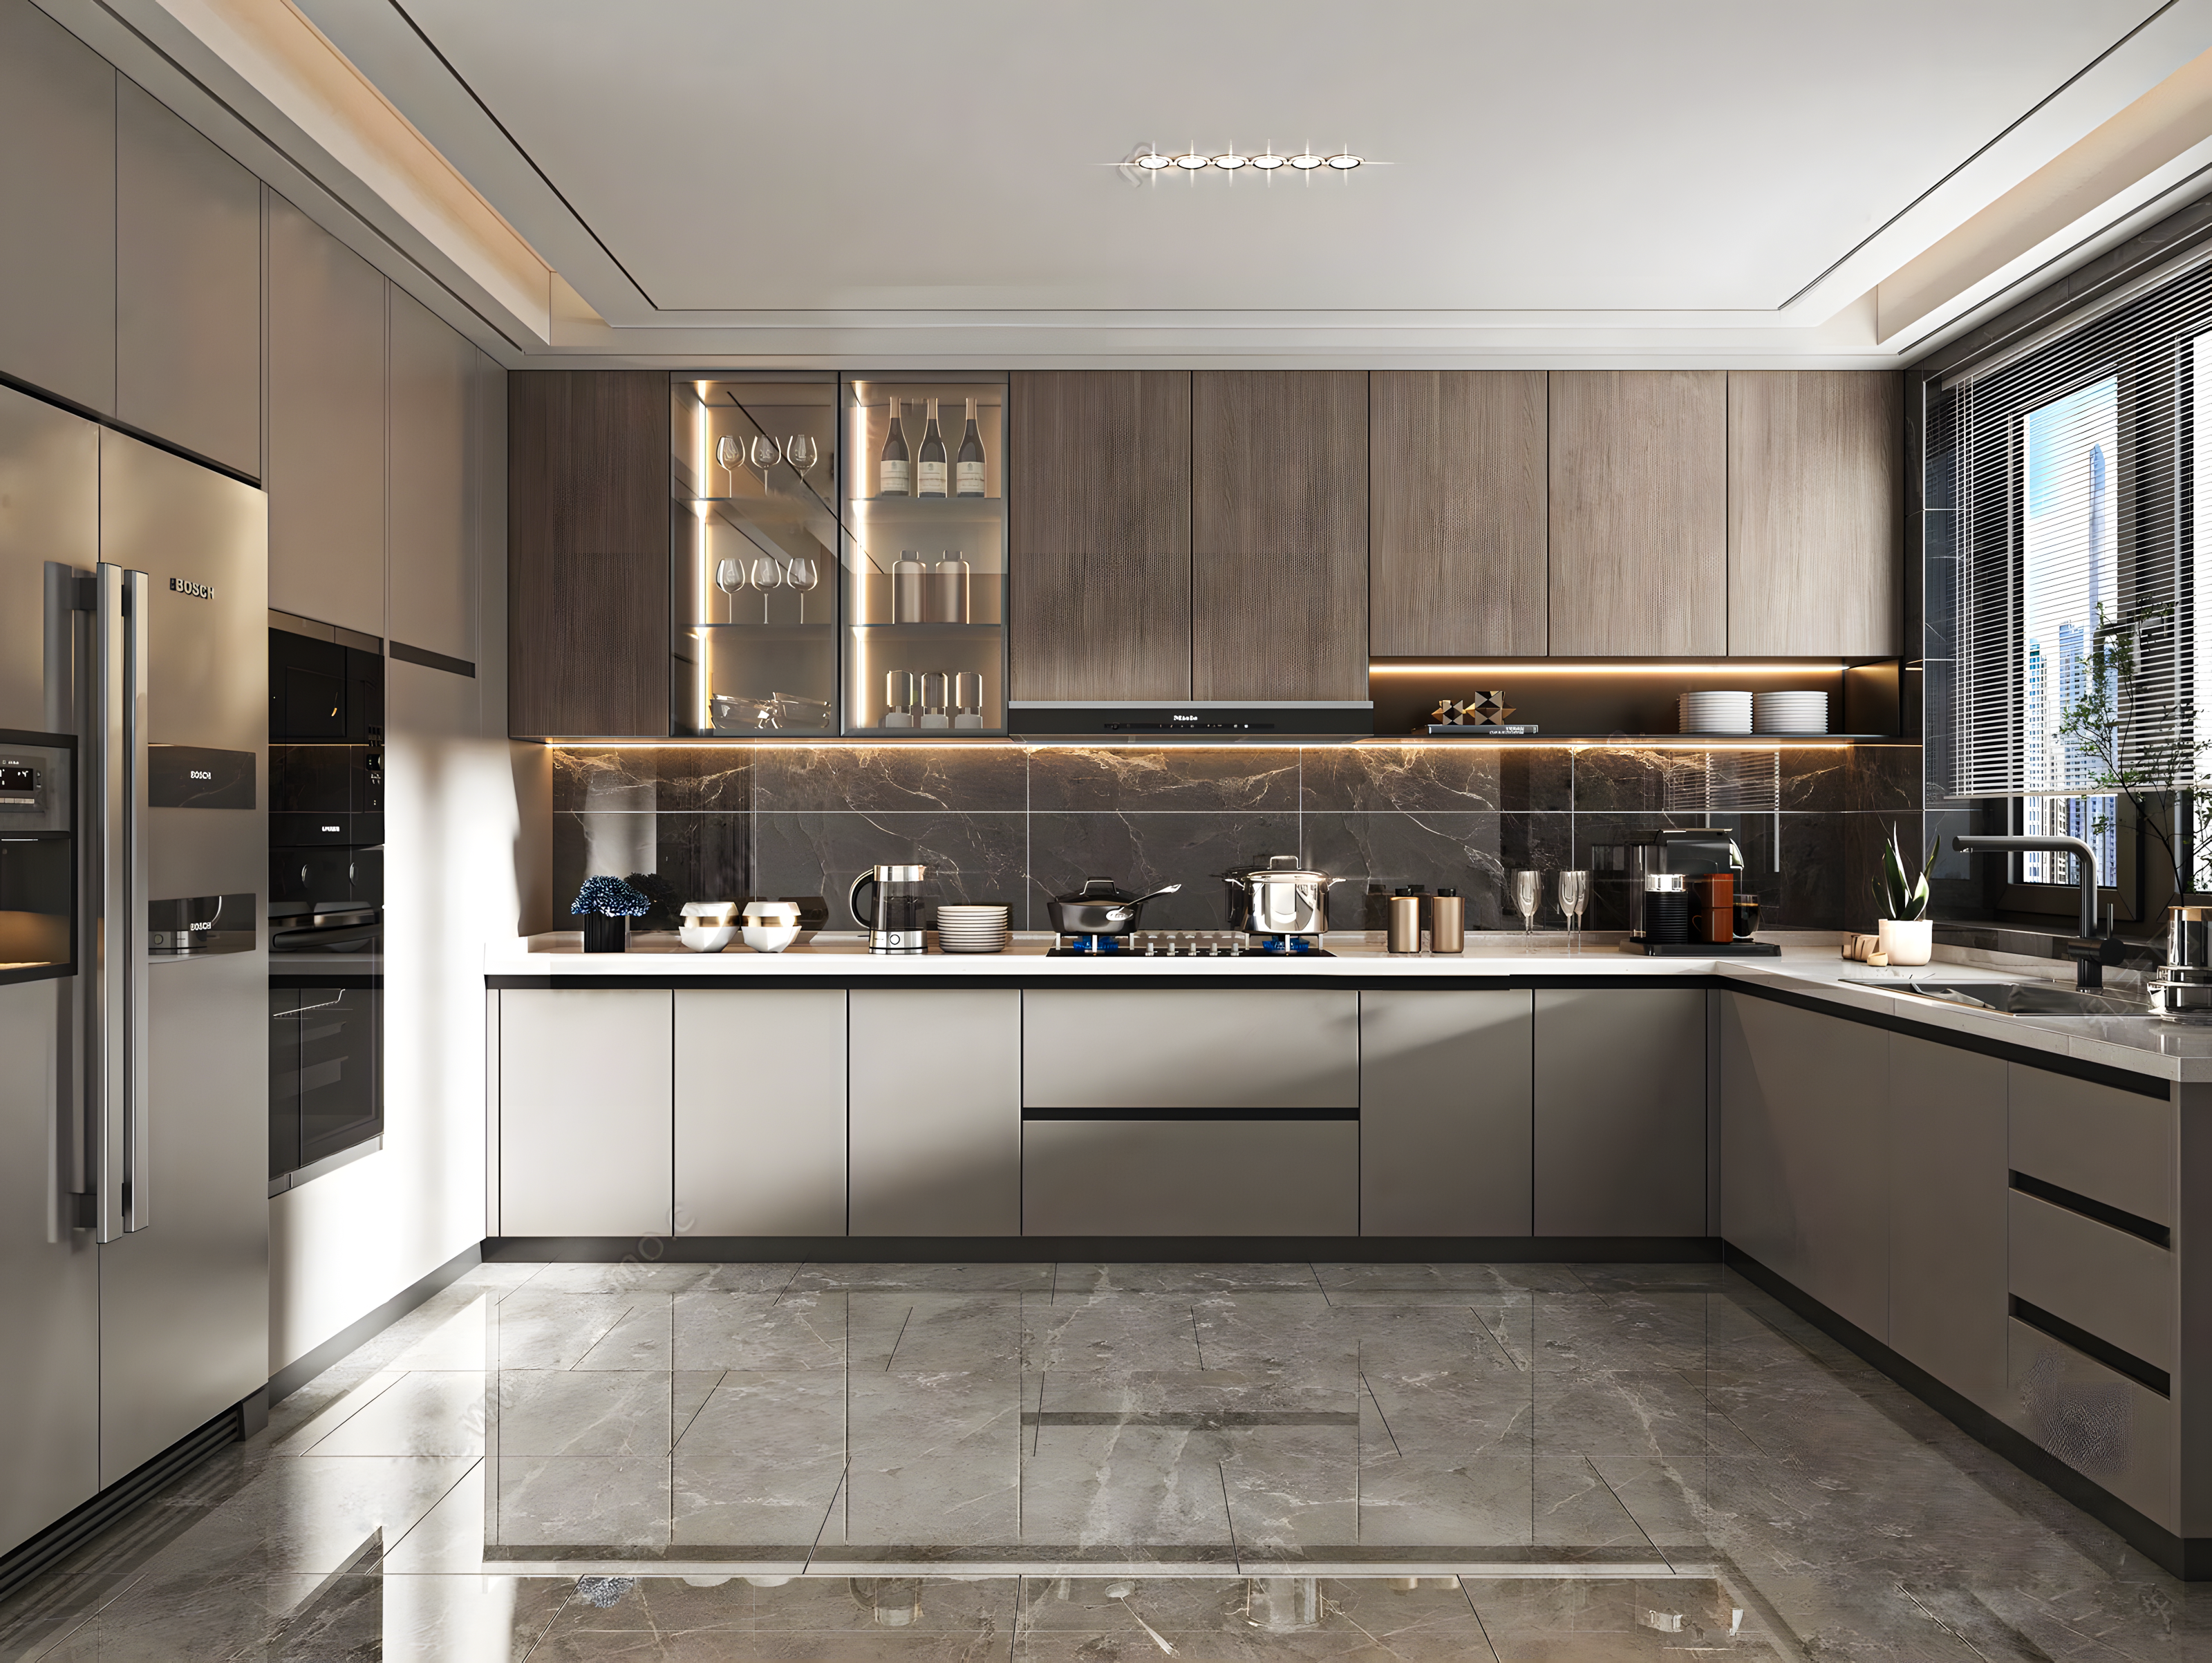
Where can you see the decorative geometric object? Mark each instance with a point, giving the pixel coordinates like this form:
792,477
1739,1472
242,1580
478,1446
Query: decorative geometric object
1487,709
1449,713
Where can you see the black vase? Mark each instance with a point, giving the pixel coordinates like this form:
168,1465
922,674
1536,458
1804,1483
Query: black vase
605,932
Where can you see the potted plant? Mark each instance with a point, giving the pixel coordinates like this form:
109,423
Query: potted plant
606,905
1906,932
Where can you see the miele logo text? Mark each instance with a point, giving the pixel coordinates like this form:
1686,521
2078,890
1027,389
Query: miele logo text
186,586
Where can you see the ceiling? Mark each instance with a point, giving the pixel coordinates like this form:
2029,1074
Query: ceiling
1606,180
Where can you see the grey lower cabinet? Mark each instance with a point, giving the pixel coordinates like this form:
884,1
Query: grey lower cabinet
1208,1112
1619,1091
1946,1215
1805,1165
760,1111
1189,1175
584,1127
1447,1126
936,1111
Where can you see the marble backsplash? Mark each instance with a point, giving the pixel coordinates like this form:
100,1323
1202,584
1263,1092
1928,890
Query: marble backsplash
1019,825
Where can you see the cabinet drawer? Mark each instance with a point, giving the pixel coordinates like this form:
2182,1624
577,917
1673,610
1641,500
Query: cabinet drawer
2114,1146
2101,1423
2104,1282
1190,1177
1105,1047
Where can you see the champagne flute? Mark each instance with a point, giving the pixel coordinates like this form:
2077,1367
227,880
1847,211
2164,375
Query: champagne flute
802,574
766,575
1574,897
729,578
729,453
1527,889
765,456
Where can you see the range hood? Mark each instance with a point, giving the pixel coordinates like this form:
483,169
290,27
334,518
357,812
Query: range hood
1216,721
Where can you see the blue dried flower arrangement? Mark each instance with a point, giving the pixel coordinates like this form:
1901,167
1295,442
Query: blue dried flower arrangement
610,897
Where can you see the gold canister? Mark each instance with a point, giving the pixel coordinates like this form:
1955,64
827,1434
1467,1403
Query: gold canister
1447,923
1404,934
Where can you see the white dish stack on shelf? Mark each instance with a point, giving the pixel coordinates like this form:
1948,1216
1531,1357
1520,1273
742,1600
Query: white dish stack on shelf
1724,713
1789,713
971,929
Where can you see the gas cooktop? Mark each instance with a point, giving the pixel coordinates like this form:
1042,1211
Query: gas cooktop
1187,943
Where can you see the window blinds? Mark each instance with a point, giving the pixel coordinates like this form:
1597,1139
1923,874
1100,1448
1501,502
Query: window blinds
2063,490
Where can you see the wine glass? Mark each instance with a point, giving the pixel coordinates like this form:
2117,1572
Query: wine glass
802,574
766,574
802,452
1574,897
765,456
1527,890
729,578
729,453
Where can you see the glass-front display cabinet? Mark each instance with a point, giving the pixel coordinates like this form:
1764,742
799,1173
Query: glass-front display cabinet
925,555
756,530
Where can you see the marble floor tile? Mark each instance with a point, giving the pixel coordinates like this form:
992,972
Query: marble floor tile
1093,1619
1293,1490
1113,1331
1127,1490
759,1332
1642,1330
1650,1413
316,1515
582,1412
759,1465
1612,1621
934,1459
762,1278
1080,1280
629,1277
818,1278
580,1504
1469,1278
532,1328
1442,1416
461,1341
428,1413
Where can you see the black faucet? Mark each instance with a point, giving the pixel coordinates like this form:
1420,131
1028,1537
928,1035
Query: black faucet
2090,950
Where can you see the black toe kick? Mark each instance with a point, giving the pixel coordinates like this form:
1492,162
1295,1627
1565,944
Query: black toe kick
1106,1249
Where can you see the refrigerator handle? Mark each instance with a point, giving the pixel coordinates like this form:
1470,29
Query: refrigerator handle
125,1133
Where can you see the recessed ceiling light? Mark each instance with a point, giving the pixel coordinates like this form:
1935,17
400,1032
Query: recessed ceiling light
1268,162
1191,161
1305,162
1343,162
1151,162
1228,161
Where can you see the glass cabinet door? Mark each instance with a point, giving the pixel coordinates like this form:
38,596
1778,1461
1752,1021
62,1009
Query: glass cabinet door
756,550
925,555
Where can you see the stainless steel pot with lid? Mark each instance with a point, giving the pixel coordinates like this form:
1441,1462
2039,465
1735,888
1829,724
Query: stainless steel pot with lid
1285,900
2183,985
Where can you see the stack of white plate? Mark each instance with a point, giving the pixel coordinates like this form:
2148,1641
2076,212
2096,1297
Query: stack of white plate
971,929
1714,713
1789,713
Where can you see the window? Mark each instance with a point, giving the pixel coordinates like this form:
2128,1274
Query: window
2063,489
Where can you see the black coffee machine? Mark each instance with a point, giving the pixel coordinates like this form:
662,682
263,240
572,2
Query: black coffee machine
1691,851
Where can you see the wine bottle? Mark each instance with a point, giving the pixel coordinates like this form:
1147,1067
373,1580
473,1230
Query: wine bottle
891,478
968,467
929,461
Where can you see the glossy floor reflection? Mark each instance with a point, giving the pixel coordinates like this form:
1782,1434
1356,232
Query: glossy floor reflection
1105,1462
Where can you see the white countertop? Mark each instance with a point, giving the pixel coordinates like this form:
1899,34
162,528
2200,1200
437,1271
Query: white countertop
1809,964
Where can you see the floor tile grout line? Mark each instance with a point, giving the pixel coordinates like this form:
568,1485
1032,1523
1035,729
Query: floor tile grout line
896,1342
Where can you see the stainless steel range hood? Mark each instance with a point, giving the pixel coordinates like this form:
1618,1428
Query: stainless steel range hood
1214,721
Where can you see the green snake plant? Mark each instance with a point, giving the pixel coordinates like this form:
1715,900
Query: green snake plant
1899,895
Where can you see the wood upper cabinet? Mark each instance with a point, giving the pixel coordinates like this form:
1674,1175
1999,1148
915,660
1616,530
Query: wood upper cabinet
587,601
1456,512
1279,534
1639,512
1815,511
1100,534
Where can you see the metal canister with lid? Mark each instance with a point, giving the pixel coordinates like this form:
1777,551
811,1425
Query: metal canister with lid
1448,922
1405,932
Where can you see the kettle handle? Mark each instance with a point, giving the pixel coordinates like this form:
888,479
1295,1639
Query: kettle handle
853,901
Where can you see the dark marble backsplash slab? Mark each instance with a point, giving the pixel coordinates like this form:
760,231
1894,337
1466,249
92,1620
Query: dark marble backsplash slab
1020,825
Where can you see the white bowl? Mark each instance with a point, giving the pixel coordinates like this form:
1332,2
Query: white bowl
770,938
708,937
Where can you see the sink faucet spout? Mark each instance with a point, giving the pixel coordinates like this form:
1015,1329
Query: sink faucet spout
2090,951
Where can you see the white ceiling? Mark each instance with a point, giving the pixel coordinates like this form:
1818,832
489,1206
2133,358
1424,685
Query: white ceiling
873,181
1610,155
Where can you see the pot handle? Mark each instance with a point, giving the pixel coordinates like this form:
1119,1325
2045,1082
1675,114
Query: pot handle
1238,882
1171,888
853,901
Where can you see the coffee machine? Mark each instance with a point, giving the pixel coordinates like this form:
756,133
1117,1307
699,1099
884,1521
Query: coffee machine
1689,851
896,915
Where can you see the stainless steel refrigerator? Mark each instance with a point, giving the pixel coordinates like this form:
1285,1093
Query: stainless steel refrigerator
134,1237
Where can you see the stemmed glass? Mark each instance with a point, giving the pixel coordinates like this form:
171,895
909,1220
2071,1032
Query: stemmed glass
1574,896
802,452
729,578
766,575
765,456
802,574
1527,890
728,453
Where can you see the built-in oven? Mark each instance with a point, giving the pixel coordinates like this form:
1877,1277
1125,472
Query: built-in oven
326,898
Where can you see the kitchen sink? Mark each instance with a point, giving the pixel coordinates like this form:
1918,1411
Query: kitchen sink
2010,998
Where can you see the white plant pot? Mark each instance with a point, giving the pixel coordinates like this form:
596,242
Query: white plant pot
1907,941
